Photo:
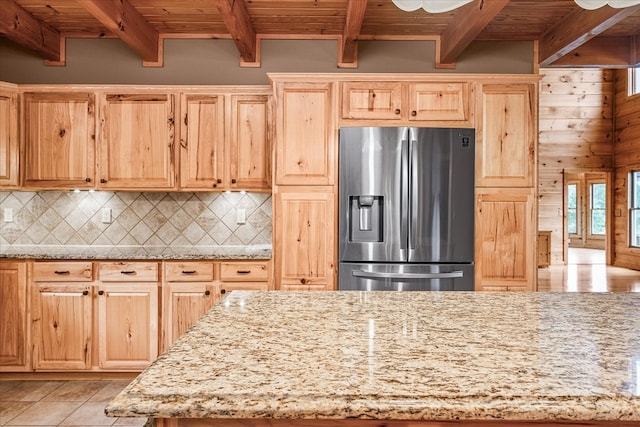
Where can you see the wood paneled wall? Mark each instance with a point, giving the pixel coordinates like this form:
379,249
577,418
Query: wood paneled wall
627,157
576,134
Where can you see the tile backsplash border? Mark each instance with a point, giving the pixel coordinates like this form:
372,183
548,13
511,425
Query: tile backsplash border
68,218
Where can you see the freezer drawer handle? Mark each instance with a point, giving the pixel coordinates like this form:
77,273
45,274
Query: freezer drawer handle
374,275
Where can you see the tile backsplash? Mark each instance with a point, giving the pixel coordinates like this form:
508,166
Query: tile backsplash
137,218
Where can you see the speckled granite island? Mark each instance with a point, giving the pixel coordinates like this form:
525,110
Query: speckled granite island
399,359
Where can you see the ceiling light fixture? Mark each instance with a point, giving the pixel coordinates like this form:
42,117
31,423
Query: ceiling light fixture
440,6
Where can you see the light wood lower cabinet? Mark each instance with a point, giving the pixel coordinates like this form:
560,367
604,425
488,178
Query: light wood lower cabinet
245,276
14,330
127,315
506,256
62,315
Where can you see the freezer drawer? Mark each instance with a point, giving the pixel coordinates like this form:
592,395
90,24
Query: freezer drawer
405,277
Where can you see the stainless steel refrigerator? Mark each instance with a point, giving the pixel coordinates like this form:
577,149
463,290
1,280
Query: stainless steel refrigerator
406,209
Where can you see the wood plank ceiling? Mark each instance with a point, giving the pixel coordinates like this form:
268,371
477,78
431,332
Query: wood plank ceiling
567,35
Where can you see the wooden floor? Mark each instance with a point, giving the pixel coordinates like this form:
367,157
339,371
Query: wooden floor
586,271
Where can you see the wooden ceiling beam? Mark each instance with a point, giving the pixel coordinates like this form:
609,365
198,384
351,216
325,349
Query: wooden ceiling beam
352,27
469,21
21,27
600,52
126,22
578,28
236,18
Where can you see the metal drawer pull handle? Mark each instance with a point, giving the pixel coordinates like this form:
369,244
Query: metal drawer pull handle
374,275
128,272
243,271
65,272
188,272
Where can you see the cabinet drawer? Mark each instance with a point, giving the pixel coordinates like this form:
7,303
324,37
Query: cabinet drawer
244,272
63,271
188,271
243,286
129,272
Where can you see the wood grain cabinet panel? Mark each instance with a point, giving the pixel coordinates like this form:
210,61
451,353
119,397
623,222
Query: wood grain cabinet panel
304,237
506,256
138,142
245,276
306,134
372,100
14,327
62,307
506,138
60,131
9,144
439,102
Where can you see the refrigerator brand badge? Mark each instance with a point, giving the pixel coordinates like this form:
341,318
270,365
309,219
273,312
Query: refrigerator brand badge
465,142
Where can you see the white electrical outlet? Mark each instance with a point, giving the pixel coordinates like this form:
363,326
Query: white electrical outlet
241,216
106,215
8,214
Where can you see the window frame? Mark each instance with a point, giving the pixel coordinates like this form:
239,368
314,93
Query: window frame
633,79
634,205
591,209
578,232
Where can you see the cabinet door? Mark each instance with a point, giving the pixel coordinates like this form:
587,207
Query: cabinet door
506,137
13,317
249,145
304,237
439,101
62,325
127,325
305,134
184,304
202,157
59,140
9,146
505,239
372,100
138,142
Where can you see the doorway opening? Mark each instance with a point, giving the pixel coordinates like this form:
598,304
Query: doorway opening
587,218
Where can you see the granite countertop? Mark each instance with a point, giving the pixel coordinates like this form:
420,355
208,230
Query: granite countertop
402,355
117,252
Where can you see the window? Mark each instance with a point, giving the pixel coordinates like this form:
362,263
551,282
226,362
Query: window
634,81
598,202
572,208
634,208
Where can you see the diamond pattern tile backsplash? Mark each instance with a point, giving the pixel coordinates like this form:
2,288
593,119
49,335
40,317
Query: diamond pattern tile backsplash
154,219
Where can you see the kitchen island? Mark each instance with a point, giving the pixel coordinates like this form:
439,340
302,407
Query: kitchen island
425,358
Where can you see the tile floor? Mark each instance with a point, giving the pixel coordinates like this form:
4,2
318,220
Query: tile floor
60,403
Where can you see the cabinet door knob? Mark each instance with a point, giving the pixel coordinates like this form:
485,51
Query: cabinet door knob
87,179
414,113
219,181
207,293
223,291
303,281
85,293
233,181
215,185
103,181
397,111
100,292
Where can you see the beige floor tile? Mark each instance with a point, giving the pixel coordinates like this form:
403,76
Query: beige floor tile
6,386
89,414
45,414
109,391
75,391
10,410
131,422
33,391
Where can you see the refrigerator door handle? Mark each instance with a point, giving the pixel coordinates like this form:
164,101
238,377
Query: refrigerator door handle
404,196
375,275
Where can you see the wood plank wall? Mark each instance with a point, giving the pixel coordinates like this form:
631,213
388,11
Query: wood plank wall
575,134
627,157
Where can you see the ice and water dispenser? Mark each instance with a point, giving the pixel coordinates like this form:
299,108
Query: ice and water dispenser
365,213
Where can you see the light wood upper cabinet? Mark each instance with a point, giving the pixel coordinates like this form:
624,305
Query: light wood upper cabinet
408,103
9,145
62,315
137,150
250,143
306,134
304,236
14,328
506,143
506,255
60,131
127,315
225,142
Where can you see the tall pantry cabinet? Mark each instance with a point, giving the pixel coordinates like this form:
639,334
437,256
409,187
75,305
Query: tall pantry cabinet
9,144
305,218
